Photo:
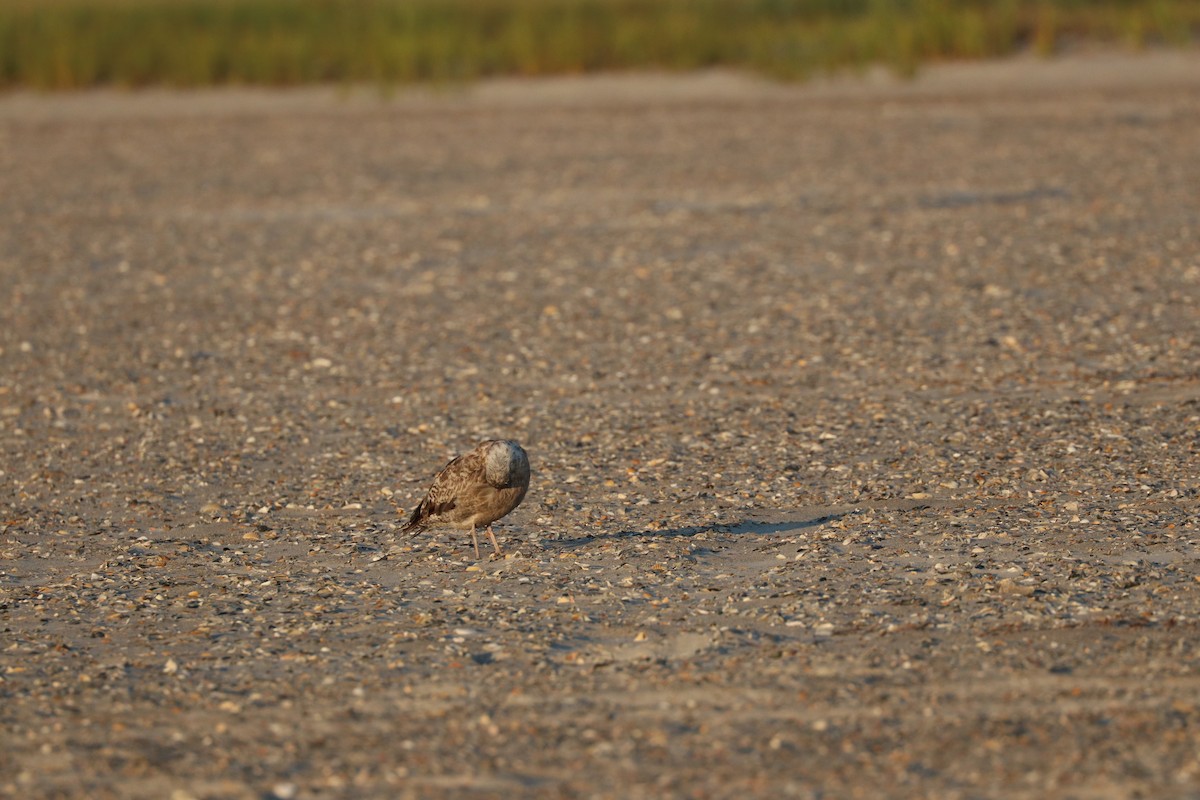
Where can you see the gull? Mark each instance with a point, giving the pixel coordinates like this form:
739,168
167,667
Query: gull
475,489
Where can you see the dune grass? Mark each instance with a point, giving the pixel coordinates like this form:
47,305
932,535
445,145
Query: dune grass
66,44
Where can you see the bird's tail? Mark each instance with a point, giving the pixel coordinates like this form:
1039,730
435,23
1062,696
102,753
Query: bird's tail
416,520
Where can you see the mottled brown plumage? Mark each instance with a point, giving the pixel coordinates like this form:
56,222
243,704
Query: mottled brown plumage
475,489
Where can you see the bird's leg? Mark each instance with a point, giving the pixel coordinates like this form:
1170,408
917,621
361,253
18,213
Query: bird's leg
475,542
492,536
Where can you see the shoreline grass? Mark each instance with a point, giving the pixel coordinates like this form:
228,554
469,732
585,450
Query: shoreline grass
72,44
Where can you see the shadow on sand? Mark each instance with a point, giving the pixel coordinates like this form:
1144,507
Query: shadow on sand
791,520
747,526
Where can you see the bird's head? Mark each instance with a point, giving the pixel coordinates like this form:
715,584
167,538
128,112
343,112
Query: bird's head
504,461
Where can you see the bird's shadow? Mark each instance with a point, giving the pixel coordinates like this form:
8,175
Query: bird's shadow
751,527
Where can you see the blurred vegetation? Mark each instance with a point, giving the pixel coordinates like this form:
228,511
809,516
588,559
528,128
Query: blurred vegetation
64,44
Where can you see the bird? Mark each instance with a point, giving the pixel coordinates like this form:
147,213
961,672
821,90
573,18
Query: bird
475,489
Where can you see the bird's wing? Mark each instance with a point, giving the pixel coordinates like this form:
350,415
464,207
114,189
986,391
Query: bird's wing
451,483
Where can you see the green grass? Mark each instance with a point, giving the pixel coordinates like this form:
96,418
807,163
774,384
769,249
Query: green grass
66,44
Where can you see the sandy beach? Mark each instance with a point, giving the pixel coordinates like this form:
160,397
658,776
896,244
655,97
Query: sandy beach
864,420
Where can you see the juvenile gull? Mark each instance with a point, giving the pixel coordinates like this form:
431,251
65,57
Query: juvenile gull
475,489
